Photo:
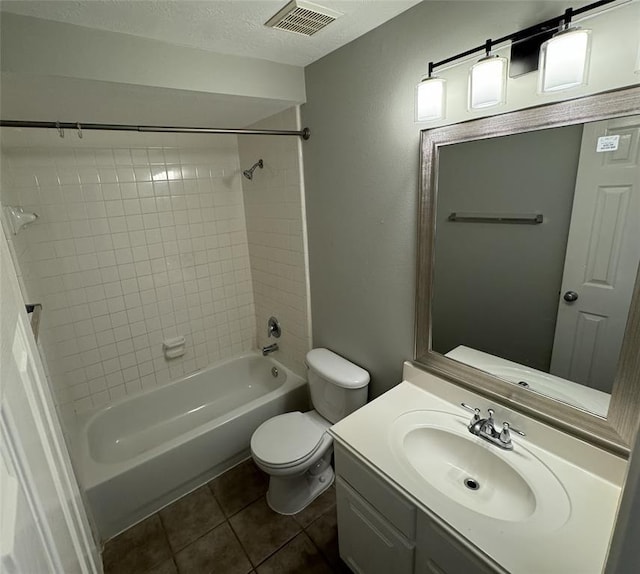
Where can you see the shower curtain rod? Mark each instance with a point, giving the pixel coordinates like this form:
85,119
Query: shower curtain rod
305,133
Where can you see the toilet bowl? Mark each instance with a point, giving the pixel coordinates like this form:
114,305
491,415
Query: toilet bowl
299,465
295,449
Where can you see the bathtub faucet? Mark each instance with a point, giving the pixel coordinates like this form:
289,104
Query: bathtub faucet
269,349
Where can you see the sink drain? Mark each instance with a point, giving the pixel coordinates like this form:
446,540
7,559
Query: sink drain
471,484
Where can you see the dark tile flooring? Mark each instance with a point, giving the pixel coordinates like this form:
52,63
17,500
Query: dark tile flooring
226,527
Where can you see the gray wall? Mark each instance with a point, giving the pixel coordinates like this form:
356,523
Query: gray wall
496,286
361,174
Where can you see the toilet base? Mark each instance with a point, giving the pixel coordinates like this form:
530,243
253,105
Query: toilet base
290,495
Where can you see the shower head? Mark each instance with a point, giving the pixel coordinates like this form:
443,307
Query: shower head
248,173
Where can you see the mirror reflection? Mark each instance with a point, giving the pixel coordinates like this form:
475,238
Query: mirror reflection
537,249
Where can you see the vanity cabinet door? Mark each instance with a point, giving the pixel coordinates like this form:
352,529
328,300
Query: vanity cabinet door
368,543
437,552
395,508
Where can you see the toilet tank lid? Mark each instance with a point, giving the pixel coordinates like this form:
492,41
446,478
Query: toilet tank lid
336,369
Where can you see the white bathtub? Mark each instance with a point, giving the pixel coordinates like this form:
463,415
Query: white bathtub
144,452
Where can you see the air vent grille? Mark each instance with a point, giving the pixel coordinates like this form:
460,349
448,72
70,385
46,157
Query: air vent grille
303,18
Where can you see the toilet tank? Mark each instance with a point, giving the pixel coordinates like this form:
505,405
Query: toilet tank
337,386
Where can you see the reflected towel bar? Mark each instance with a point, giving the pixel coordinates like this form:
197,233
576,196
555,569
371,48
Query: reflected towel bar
533,219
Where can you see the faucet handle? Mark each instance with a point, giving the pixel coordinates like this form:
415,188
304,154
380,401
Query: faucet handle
507,429
474,410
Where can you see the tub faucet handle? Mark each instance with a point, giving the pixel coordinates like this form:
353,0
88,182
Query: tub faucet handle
273,328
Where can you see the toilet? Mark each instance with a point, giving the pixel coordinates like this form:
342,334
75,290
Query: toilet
295,449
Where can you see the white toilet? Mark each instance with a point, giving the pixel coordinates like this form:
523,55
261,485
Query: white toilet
294,449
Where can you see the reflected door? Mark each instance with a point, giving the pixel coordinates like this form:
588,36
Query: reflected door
603,252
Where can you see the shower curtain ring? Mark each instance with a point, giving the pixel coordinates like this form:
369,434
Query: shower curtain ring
79,130
60,130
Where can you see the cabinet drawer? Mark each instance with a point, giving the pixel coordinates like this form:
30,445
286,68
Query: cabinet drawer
439,553
395,508
368,543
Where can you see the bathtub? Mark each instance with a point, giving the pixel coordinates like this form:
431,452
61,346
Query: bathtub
145,451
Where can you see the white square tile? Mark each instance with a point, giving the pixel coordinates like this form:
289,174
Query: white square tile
88,175
117,393
95,209
134,222
126,175
115,305
114,379
131,206
114,208
107,175
111,191
122,157
139,157
106,259
104,157
111,365
129,190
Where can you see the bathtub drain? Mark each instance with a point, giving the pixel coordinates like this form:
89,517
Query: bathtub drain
274,371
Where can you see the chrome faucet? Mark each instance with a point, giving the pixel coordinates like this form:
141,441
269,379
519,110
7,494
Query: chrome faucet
486,429
269,349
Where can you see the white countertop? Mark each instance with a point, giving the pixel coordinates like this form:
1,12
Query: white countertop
591,477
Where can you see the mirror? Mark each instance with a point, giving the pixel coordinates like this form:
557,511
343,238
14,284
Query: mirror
528,259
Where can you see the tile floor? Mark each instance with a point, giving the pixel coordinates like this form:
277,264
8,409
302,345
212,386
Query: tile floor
226,527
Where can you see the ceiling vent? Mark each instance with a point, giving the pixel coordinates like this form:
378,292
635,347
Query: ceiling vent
303,18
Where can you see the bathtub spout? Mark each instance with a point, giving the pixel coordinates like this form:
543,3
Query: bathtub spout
269,349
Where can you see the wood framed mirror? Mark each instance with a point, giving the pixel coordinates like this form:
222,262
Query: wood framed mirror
522,215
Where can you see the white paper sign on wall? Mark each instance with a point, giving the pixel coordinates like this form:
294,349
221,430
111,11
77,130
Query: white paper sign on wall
608,143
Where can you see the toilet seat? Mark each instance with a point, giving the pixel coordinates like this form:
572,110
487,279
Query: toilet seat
287,440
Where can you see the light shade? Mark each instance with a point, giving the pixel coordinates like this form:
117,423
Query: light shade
430,99
564,60
488,83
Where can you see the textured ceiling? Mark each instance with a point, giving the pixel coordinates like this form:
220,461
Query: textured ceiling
229,27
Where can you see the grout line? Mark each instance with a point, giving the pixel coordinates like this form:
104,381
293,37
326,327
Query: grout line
279,548
241,546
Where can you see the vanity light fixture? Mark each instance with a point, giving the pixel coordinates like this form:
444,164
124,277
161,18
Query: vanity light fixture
563,64
430,97
488,81
564,58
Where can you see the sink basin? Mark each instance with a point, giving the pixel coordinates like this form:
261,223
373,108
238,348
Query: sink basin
512,486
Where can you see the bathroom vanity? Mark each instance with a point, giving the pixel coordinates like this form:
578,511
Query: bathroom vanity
418,493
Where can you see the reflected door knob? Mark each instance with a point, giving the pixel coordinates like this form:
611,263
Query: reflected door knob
570,296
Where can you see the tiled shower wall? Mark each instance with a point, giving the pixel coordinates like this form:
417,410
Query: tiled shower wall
139,238
275,215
